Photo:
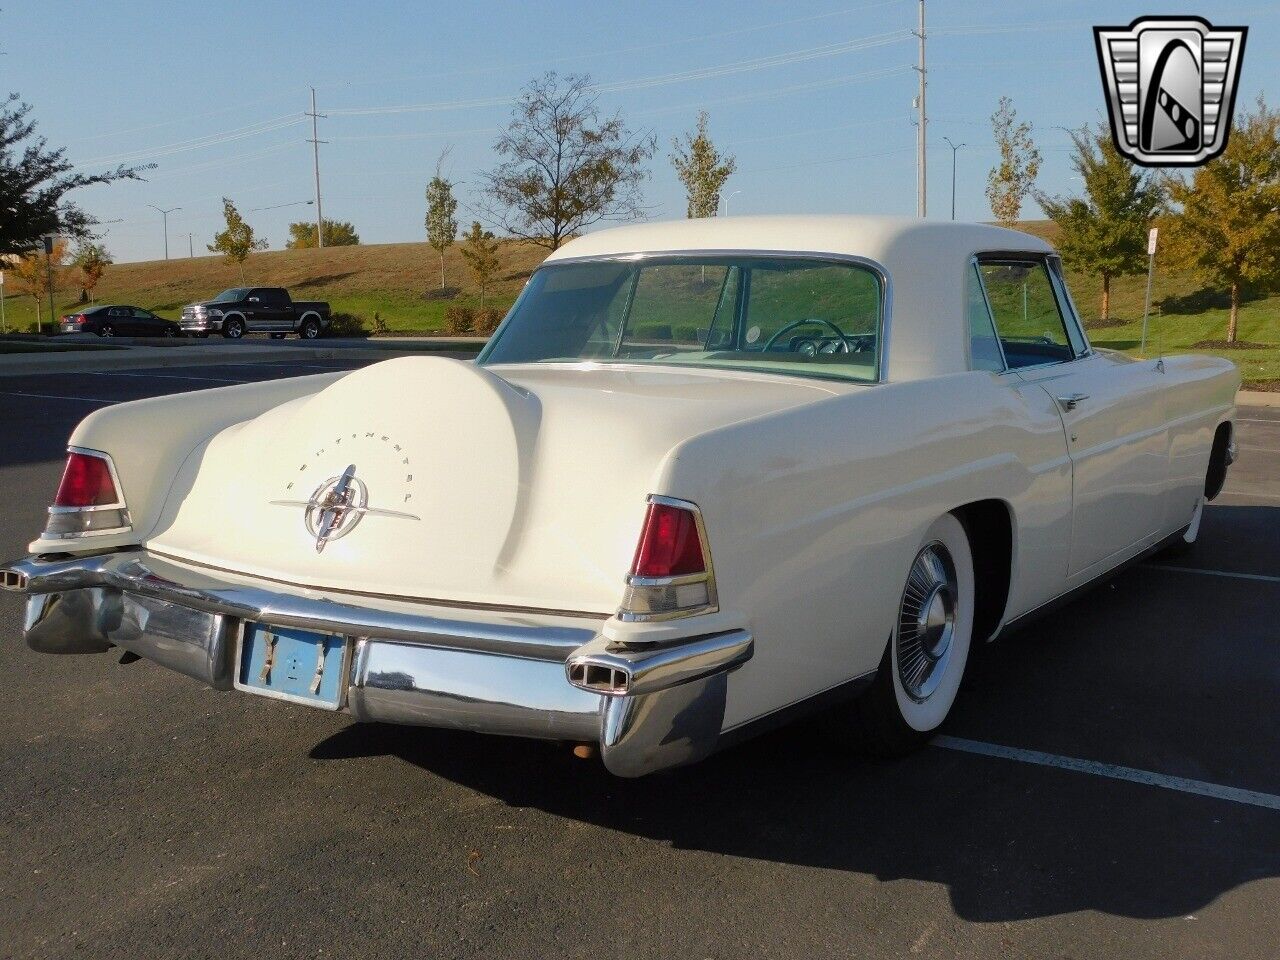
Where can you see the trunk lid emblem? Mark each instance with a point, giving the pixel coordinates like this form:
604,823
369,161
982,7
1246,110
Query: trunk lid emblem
337,507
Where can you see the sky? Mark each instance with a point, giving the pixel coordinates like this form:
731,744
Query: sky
813,98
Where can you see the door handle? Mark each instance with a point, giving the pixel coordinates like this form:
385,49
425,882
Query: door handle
1072,400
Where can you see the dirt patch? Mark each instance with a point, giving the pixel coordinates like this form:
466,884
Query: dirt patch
1264,386
1238,345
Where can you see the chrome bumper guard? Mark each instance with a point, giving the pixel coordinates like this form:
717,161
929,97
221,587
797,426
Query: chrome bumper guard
544,675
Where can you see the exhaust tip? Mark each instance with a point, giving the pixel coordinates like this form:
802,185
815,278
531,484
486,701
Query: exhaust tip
13,580
599,678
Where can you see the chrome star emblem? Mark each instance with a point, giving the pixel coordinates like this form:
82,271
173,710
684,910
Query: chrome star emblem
337,507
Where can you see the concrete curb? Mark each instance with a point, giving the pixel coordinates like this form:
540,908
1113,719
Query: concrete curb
1258,398
133,358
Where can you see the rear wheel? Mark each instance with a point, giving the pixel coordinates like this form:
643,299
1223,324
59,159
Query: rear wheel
106,330
233,329
170,331
925,658
310,329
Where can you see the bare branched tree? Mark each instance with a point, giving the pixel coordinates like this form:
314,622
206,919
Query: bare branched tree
563,167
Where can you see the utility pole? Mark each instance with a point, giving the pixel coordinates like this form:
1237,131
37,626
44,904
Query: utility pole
922,204
315,148
955,148
191,250
49,240
165,215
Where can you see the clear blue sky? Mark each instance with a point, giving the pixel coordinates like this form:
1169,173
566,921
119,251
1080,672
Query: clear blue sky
813,96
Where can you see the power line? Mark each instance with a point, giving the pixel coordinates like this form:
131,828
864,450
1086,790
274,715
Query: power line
198,143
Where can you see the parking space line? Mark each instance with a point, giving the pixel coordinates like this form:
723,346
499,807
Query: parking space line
1257,420
1213,573
1260,496
54,396
168,376
1110,771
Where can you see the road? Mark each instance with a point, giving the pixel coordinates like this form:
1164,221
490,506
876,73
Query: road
146,816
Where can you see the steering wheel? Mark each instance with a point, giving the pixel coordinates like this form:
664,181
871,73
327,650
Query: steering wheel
844,340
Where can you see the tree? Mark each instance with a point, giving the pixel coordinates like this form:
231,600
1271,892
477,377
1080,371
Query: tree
32,272
237,241
337,233
1225,227
1014,178
702,170
92,259
35,180
1105,232
442,228
563,167
480,250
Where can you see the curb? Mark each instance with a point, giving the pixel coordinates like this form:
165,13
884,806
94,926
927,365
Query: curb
26,364
1258,398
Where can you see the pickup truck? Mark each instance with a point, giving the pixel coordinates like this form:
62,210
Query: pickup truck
242,310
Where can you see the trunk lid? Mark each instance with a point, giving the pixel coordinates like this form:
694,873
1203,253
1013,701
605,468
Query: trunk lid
520,486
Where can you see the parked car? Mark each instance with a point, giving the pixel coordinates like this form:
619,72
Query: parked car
242,310
120,321
705,475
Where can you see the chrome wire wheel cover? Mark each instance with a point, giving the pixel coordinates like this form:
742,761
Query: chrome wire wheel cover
927,622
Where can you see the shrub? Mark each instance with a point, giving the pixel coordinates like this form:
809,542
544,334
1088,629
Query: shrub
379,325
458,320
347,325
487,321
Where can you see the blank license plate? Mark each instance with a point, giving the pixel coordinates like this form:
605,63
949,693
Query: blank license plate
290,664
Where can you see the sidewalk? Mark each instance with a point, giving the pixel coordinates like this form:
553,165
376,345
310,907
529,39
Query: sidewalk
243,351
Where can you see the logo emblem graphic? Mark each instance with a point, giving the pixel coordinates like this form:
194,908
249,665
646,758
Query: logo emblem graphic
337,506
1171,87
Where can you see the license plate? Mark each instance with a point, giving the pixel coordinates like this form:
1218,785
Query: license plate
291,664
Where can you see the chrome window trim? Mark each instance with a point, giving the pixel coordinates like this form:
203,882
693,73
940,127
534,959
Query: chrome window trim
878,269
708,576
120,506
1063,293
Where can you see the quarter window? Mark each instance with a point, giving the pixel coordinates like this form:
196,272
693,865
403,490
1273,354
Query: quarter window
984,348
1024,306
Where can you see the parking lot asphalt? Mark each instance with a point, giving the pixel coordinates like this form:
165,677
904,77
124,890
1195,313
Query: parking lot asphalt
1108,787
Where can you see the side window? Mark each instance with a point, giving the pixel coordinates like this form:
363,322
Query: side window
983,345
1024,306
274,296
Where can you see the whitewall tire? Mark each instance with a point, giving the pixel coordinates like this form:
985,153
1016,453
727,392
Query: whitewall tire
928,649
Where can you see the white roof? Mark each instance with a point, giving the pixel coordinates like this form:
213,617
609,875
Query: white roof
926,261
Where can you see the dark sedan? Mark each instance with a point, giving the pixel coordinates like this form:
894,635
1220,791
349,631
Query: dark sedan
120,321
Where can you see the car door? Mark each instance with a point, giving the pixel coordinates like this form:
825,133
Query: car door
1111,407
146,323
270,309
121,320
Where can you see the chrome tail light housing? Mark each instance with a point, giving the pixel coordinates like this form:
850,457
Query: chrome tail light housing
90,500
671,575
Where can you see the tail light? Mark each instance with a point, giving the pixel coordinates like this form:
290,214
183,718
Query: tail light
671,575
88,500
79,318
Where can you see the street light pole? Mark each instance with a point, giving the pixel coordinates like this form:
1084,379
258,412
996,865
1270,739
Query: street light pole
49,239
954,150
165,216
922,134
727,199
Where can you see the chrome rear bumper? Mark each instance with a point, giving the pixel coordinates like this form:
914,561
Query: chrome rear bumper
545,675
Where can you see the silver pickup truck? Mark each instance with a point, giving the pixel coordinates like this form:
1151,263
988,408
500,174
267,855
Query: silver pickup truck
242,310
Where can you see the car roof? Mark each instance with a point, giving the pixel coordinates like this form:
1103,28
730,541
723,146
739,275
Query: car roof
927,263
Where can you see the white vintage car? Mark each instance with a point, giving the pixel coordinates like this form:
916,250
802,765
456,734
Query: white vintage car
706,473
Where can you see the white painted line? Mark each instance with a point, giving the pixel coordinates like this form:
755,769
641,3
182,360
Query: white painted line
54,396
1257,420
1111,771
1241,493
1213,573
166,376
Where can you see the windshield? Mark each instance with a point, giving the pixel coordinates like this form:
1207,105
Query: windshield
794,315
231,296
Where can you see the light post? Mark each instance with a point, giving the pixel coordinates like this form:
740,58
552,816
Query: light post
165,215
727,199
955,148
